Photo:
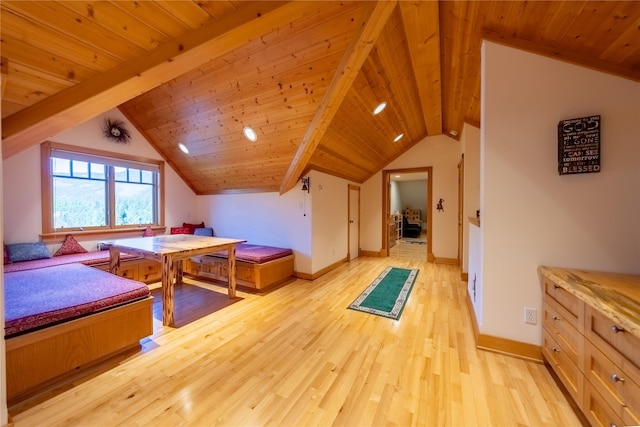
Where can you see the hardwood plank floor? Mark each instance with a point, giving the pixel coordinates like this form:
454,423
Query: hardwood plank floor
297,356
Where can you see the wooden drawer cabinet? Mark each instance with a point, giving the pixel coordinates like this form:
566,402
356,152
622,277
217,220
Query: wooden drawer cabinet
562,340
596,358
563,327
605,333
149,271
565,368
572,306
597,411
137,269
615,384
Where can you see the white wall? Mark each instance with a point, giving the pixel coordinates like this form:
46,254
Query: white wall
313,225
532,216
263,219
470,140
21,181
330,221
443,154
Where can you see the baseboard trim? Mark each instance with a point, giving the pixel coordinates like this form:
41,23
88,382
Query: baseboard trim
507,347
448,261
314,276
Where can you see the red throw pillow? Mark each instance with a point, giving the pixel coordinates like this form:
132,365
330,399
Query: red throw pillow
148,232
70,246
192,227
179,230
6,256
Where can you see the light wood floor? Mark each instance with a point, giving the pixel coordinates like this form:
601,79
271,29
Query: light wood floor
297,357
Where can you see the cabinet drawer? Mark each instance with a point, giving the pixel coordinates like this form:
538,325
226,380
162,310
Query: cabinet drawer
614,384
561,363
561,325
149,271
622,347
596,409
128,271
573,305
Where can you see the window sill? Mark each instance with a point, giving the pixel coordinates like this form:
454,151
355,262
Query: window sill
117,233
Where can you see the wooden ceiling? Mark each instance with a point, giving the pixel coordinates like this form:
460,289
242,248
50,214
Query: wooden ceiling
305,75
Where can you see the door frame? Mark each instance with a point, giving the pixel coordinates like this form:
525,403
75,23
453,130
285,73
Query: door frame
386,174
461,212
349,188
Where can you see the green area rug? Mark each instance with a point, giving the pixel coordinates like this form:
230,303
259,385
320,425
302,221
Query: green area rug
388,294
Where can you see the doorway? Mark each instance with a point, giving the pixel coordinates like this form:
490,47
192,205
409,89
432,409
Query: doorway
388,220
353,226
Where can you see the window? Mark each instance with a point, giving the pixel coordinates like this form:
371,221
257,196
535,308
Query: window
89,190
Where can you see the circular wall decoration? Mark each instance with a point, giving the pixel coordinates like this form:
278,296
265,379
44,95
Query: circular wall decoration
114,130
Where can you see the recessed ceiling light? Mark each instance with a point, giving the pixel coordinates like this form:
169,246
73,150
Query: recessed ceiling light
397,176
399,137
184,148
380,107
250,134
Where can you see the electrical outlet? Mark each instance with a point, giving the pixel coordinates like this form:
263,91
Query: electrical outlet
530,316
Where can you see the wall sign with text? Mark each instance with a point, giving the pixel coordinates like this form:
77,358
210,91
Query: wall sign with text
579,145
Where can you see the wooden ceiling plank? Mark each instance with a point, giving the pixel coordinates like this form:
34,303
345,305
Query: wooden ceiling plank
373,21
75,25
108,90
4,68
422,29
38,59
107,15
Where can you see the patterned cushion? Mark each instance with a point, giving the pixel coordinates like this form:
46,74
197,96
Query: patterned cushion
148,232
192,227
70,246
27,251
179,230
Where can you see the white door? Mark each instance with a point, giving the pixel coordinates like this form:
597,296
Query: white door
354,222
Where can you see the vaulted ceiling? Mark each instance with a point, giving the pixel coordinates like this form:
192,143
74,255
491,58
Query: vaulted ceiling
305,75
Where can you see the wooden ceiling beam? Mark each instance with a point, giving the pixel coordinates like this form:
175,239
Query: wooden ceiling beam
77,104
422,29
373,21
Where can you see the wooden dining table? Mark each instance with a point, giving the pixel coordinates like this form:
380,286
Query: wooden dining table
171,250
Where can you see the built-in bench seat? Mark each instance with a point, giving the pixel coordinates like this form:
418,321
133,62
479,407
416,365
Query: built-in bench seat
257,266
132,267
62,318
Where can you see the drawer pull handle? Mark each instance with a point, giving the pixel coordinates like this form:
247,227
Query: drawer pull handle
555,286
612,425
555,318
555,350
615,329
616,378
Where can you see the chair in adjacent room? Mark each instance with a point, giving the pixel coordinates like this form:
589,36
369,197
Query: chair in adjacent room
410,230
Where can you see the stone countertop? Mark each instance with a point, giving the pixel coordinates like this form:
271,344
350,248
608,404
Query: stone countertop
615,295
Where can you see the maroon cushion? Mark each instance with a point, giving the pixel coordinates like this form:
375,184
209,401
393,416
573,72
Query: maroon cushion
256,254
70,246
36,298
148,232
192,227
180,230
